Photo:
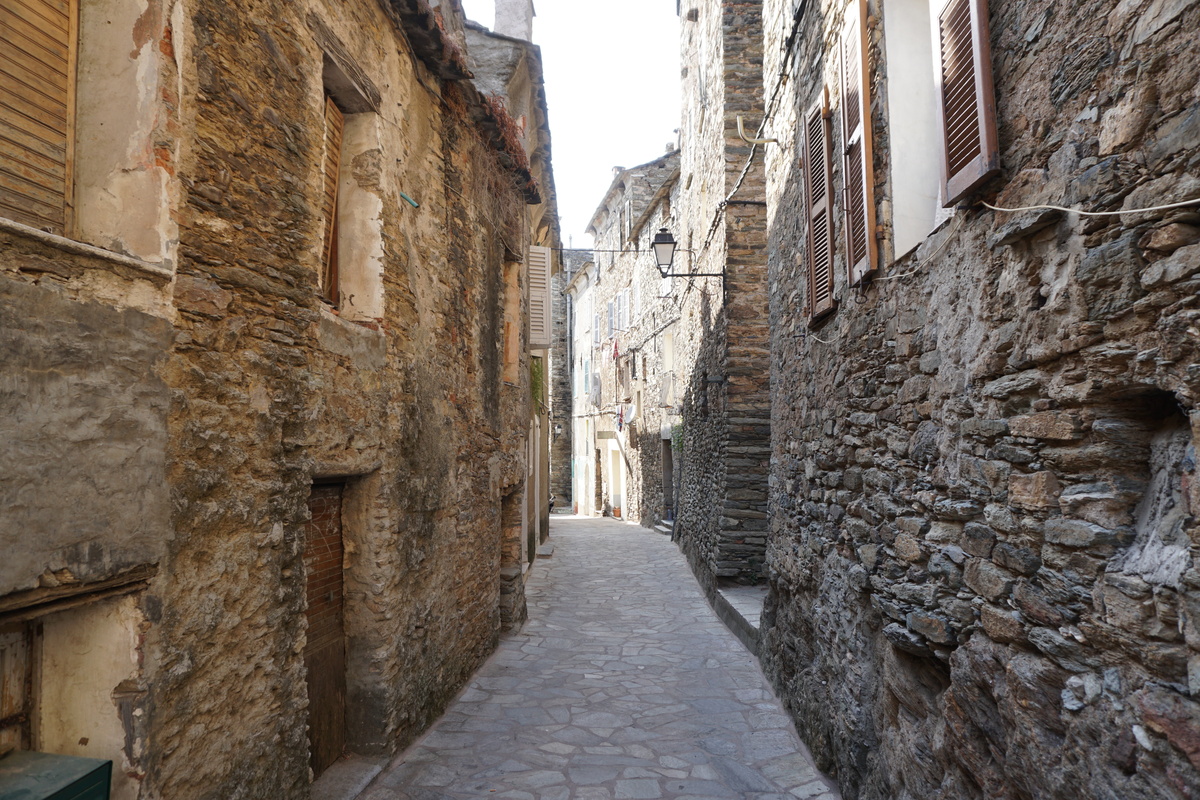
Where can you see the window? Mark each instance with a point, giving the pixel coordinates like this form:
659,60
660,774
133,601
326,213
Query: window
622,310
350,277
611,319
335,126
965,98
540,303
920,170
818,193
87,142
595,329
37,112
859,207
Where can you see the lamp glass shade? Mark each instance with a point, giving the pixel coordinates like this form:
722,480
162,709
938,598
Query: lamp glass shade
664,248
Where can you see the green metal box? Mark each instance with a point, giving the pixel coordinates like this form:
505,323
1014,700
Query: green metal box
42,776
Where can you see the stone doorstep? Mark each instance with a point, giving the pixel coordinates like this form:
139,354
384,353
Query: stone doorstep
546,550
740,608
347,778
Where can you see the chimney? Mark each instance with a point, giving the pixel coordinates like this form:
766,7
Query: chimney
617,171
515,18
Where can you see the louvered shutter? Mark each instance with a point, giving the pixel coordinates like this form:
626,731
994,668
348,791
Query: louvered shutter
335,125
540,301
37,111
818,193
966,103
859,205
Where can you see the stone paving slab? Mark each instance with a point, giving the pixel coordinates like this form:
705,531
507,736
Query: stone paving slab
623,685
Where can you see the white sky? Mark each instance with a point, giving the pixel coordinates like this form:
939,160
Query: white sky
612,85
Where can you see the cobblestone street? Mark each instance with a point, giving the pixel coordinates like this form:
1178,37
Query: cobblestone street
623,684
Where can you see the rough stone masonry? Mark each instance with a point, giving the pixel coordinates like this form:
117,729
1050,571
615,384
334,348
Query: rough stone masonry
166,417
983,550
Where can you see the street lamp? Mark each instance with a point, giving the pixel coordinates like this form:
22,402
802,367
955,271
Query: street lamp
664,250
664,247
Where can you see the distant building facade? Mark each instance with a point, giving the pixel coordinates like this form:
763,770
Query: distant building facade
625,406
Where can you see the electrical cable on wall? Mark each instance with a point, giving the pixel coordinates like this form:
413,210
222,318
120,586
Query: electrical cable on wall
1181,204
958,219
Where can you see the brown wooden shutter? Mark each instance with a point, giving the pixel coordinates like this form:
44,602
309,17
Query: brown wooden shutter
858,171
967,105
37,111
541,301
818,194
335,125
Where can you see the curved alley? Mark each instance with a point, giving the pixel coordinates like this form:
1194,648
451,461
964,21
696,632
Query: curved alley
623,684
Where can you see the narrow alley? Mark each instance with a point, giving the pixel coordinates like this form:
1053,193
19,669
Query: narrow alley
622,684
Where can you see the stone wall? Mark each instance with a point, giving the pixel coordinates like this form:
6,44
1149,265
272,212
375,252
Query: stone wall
725,389
982,551
562,378
185,417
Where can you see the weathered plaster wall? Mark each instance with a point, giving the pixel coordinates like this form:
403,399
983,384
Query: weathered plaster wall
127,96
91,659
84,430
982,547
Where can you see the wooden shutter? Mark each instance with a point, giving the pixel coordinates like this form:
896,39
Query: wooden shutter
335,125
540,299
859,193
37,111
966,103
818,195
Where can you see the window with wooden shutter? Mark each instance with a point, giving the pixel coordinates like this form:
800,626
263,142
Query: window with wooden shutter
858,172
335,125
37,111
818,193
540,302
967,105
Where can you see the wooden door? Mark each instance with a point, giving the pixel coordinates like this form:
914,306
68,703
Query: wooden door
325,652
16,687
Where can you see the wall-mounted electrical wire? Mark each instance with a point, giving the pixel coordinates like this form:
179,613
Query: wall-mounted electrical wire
1182,204
958,219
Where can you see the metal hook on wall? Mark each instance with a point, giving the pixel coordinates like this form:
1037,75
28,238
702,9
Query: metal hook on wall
742,133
